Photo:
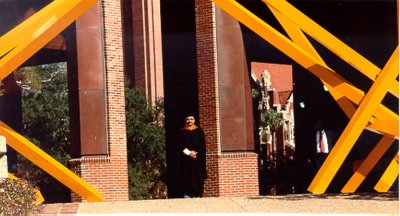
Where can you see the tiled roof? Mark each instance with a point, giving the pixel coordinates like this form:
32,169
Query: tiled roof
281,74
283,97
281,79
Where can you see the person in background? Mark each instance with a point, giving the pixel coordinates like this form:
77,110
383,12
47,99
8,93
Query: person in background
323,140
192,154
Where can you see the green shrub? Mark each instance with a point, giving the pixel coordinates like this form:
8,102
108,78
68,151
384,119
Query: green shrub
45,120
146,146
17,197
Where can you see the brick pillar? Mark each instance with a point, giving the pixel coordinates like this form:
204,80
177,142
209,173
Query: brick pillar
208,89
147,49
230,173
108,173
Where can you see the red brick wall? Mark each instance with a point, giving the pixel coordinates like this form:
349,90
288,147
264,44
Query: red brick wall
238,174
109,174
229,174
208,89
106,174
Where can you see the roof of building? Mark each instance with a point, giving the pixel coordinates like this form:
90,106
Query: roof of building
281,74
284,97
281,79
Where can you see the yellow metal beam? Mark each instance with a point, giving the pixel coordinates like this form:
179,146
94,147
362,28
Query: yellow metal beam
33,34
300,39
12,38
356,125
49,164
389,176
296,34
368,164
330,41
308,61
39,197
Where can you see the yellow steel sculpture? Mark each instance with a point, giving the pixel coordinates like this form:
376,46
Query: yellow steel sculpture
348,108
49,164
30,36
371,114
368,164
389,176
386,121
17,46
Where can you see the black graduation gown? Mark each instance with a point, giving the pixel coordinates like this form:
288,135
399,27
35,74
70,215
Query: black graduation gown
192,171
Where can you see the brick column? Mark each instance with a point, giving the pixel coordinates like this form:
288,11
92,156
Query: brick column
208,89
147,49
230,173
108,173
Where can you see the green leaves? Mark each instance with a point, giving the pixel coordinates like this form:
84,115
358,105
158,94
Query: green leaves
146,146
45,119
272,119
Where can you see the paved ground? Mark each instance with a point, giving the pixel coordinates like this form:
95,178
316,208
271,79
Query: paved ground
364,204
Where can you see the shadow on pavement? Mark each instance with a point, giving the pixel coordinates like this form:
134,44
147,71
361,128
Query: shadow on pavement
389,196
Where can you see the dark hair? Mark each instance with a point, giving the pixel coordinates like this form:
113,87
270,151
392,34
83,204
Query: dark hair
190,114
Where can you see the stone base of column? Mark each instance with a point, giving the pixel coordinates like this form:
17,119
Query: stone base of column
108,175
3,158
237,176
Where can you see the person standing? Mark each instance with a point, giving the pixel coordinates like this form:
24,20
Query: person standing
323,140
192,163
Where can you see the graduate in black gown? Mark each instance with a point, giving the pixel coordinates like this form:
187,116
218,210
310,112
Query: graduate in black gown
192,158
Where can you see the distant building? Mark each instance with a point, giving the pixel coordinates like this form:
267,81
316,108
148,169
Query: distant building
275,83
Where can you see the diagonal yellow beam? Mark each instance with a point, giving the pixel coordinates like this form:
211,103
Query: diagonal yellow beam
368,164
12,38
42,28
388,120
300,39
297,35
389,176
49,164
355,127
39,197
330,41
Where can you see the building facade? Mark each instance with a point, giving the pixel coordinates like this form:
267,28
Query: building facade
192,54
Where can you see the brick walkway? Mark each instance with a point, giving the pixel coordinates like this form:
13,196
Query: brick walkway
364,204
60,209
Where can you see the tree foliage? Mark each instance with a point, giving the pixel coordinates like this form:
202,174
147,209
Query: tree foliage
272,119
146,146
45,122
